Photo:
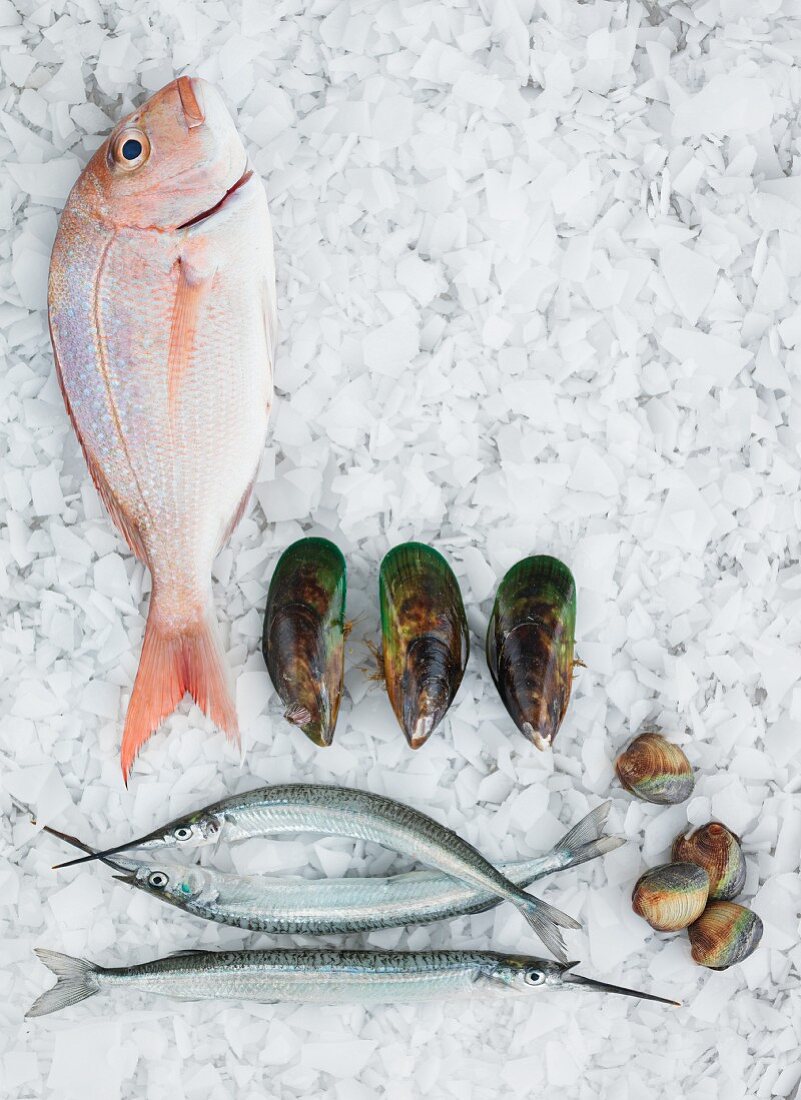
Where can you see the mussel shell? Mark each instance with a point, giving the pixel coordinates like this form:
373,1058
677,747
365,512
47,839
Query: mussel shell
424,635
304,635
718,851
530,642
671,896
724,934
655,770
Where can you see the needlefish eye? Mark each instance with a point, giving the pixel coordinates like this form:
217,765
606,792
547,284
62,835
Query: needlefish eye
183,832
158,880
534,976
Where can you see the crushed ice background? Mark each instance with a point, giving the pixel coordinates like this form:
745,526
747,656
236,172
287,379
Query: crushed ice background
539,266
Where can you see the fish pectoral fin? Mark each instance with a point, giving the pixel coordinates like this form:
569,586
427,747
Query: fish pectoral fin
190,292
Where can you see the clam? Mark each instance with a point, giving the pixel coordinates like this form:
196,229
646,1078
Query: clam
718,851
304,635
655,770
671,896
425,640
724,934
530,642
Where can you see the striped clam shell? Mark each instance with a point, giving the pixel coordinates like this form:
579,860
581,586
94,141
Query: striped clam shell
655,770
726,933
718,851
671,896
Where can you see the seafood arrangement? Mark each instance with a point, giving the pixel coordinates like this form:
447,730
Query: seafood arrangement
161,302
304,976
304,635
162,314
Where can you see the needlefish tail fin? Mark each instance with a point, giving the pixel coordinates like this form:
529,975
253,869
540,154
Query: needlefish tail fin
586,840
76,980
545,921
592,850
590,828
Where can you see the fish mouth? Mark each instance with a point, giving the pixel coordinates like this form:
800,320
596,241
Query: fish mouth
604,987
243,179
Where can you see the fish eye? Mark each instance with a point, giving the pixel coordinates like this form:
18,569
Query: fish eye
130,149
534,976
157,880
183,832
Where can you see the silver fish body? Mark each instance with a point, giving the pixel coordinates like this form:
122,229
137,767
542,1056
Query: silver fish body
264,903
343,811
313,976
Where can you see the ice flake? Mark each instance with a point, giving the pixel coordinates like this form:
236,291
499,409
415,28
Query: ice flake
85,1061
691,278
727,104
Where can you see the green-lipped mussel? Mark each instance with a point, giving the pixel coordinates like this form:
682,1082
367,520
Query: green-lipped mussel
655,770
726,933
718,851
530,643
304,635
672,896
424,634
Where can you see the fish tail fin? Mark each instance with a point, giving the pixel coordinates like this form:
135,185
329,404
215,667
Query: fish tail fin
172,663
77,979
586,840
590,827
541,920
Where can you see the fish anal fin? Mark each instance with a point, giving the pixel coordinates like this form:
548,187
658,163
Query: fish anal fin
124,524
239,512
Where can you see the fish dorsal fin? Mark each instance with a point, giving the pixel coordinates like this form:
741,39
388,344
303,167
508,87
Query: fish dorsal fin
185,951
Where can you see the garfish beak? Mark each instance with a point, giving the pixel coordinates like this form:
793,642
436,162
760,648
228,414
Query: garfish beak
189,94
84,848
99,855
604,987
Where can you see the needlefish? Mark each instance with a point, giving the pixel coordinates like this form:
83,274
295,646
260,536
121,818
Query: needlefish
342,811
263,903
311,976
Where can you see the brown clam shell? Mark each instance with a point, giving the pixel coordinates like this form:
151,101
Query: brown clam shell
724,934
655,770
671,896
718,851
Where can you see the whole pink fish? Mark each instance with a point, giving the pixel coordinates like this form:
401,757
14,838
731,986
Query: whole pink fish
162,316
